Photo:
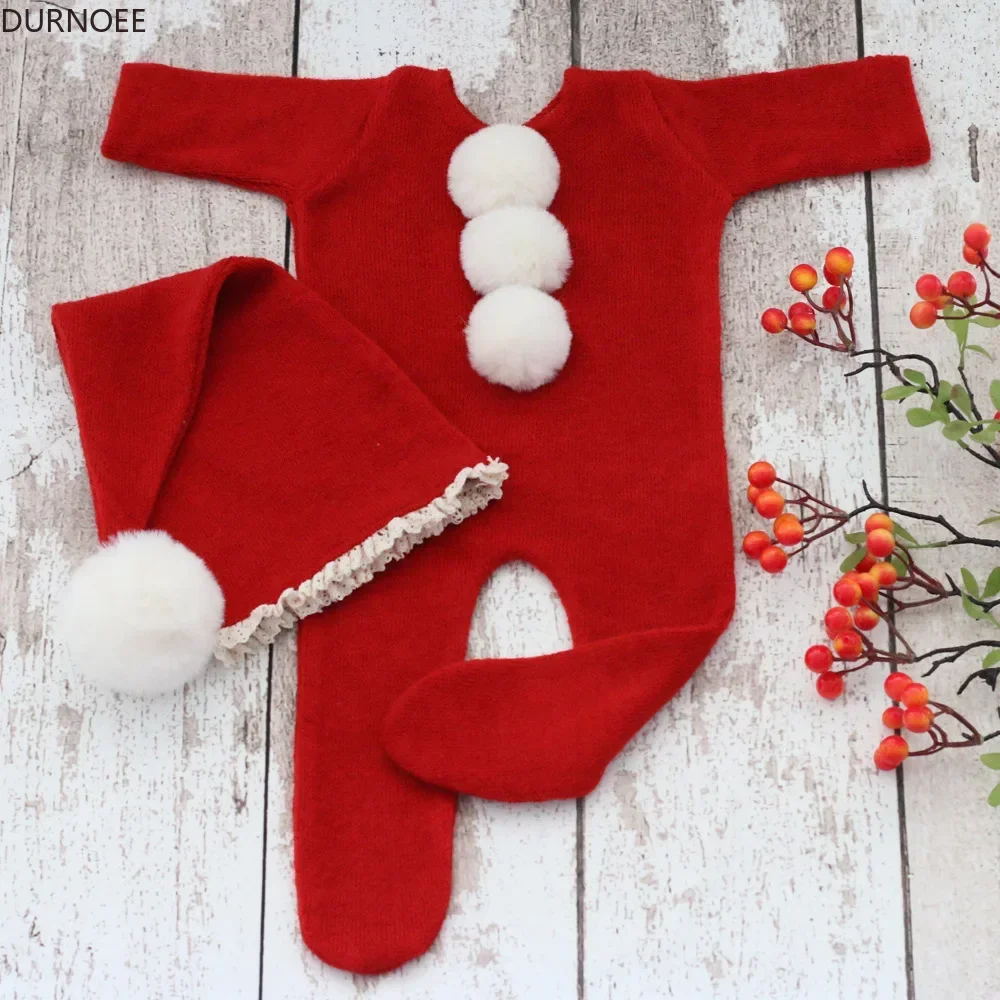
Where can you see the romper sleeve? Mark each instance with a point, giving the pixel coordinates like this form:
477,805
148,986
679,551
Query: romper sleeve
269,133
762,129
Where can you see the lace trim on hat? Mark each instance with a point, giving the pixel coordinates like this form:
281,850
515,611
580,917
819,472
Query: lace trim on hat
472,490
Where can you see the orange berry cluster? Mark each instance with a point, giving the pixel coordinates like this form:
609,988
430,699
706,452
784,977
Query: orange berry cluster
770,504
934,294
882,569
913,715
857,608
801,316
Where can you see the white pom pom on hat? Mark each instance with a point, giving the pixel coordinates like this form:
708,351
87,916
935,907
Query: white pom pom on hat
141,615
519,337
502,165
515,245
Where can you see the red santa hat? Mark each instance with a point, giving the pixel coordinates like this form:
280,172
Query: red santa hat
252,457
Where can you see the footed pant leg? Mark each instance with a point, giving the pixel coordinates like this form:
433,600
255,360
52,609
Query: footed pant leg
546,727
373,844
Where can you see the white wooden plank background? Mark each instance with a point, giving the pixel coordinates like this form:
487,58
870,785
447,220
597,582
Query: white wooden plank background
741,847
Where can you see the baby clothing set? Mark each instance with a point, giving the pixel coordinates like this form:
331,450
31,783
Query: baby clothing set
545,293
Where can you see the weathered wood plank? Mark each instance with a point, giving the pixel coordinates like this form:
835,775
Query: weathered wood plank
130,838
955,863
511,930
743,846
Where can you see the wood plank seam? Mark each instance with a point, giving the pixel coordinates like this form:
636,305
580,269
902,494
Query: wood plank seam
9,211
904,863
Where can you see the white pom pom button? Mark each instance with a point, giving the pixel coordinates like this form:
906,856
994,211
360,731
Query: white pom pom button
515,246
518,337
502,165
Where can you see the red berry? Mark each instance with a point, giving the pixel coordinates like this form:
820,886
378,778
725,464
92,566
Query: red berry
865,618
752,493
788,529
929,287
881,543
923,315
891,752
831,278
918,720
884,573
996,416
832,297
830,685
975,257
755,542
770,504
761,474
869,587
848,645
802,324
802,278
895,684
962,284
866,564
773,320
801,309
847,592
897,747
839,261
977,236
773,559
879,520
837,620
914,695
819,659
892,718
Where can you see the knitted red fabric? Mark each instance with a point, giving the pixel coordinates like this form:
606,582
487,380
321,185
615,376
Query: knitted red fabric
609,473
236,410
185,386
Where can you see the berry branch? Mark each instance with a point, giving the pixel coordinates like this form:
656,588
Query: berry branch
882,582
949,654
958,537
953,405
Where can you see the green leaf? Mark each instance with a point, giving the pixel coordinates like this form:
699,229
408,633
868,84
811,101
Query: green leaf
944,391
914,377
986,436
995,392
987,321
991,760
994,799
988,661
960,397
951,309
853,559
939,412
969,582
919,417
899,564
903,533
956,430
856,537
974,611
959,327
900,392
992,586
980,350
990,520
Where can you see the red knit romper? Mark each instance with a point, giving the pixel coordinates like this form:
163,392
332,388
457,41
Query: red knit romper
607,473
